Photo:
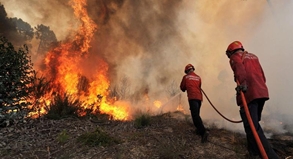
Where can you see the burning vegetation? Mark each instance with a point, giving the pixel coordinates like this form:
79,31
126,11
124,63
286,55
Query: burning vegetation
70,74
71,79
63,66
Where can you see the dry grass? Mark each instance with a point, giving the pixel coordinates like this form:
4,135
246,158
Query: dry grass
167,136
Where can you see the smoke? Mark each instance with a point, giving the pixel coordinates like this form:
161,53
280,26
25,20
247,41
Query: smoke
272,43
148,43
57,14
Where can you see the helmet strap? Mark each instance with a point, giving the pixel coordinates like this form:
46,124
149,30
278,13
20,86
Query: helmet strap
230,53
189,70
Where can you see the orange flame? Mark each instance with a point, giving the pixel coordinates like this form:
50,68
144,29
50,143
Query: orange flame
157,103
63,66
180,108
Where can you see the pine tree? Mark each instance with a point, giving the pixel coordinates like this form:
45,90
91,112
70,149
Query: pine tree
16,77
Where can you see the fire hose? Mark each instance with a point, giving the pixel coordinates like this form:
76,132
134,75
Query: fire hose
259,143
256,137
247,113
219,111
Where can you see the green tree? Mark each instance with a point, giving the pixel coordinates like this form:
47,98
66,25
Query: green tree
24,29
15,30
7,28
46,36
16,77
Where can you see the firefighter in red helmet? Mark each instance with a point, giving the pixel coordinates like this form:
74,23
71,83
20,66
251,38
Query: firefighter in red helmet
191,83
249,73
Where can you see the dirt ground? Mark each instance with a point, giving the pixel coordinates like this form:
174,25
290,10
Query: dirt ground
165,138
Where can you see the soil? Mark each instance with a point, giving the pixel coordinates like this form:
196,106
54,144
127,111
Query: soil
169,136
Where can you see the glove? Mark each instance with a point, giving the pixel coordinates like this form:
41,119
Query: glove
242,88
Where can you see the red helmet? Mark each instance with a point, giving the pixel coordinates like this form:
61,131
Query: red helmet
233,47
188,67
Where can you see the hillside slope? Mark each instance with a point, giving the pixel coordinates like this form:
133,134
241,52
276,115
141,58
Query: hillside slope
169,136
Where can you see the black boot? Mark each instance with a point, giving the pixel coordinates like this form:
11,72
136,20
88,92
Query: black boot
204,137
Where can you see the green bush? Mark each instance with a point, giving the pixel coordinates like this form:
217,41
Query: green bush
142,120
16,78
97,138
62,137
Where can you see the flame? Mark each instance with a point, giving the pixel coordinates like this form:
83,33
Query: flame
180,108
157,103
64,66
88,27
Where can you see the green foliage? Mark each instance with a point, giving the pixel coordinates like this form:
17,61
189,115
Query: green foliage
46,36
24,29
19,32
97,138
63,106
62,137
142,120
16,77
14,29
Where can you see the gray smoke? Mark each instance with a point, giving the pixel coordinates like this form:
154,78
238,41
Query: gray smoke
148,43
271,42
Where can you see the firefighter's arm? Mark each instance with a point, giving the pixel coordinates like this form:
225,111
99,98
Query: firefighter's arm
183,85
238,69
239,74
263,74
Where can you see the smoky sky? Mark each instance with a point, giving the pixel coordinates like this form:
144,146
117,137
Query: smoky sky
148,43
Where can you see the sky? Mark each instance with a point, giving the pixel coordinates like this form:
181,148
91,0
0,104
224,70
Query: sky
149,43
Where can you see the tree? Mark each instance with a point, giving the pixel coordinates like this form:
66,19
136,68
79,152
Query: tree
24,29
16,77
15,30
47,38
7,28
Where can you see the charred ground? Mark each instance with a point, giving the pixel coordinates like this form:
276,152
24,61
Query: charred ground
169,136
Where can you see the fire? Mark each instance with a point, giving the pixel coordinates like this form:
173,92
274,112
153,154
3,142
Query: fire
157,103
180,108
64,66
120,112
88,27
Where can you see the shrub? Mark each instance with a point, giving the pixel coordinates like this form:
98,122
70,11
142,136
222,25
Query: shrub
62,107
142,120
16,77
62,137
97,138
41,88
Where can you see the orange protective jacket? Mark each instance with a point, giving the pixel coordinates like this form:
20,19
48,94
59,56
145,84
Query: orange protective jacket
192,83
247,70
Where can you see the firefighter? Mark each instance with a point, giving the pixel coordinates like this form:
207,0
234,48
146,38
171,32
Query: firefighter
191,83
249,73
